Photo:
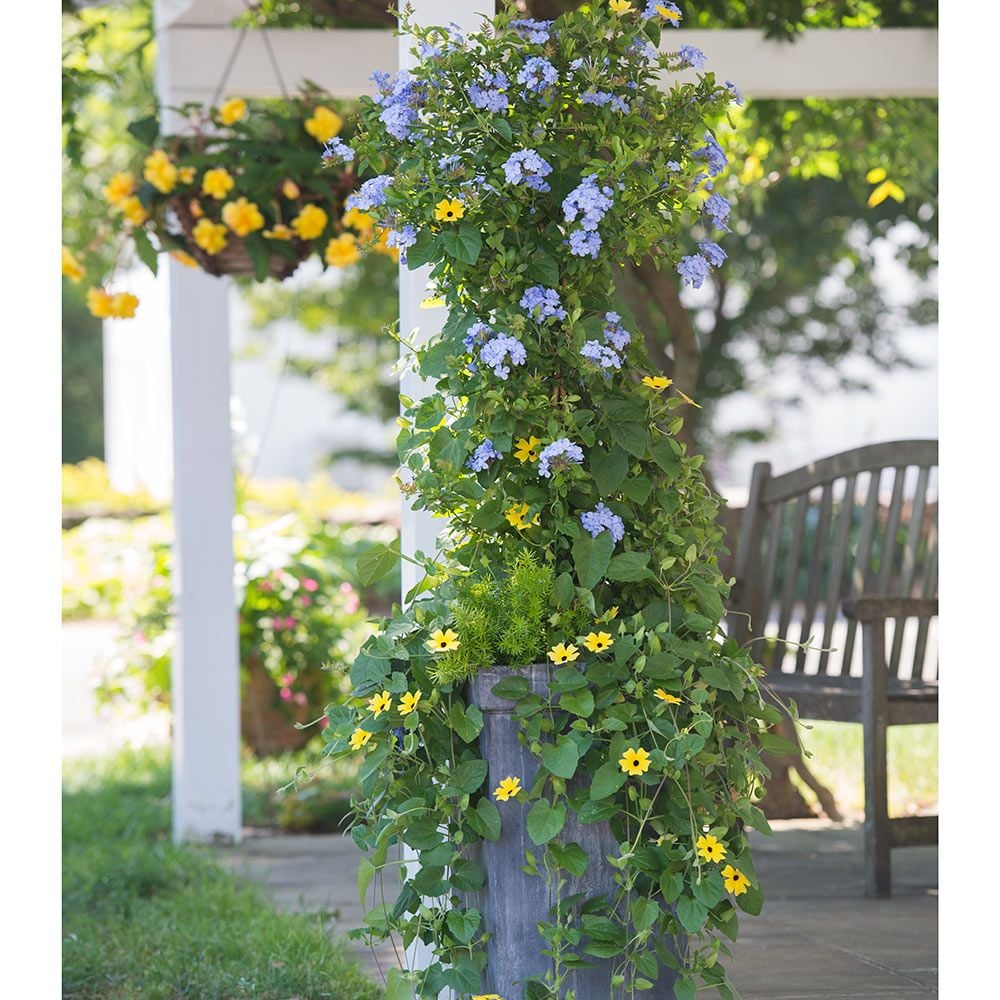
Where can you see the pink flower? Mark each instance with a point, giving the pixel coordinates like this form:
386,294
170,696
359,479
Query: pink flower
306,600
287,679
300,698
285,693
308,583
346,588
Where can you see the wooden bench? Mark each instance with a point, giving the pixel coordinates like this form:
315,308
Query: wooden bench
848,541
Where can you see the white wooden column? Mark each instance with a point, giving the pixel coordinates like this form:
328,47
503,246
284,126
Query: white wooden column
205,678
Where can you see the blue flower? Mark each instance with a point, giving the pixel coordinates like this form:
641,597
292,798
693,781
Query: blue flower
583,243
735,91
480,459
602,355
601,518
614,333
542,303
651,11
371,194
400,99
536,32
713,154
694,270
717,209
403,238
559,455
337,149
449,162
693,56
491,91
537,74
494,352
528,168
589,201
712,252
478,334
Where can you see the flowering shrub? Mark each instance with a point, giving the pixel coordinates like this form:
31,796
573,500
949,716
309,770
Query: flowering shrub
526,161
240,190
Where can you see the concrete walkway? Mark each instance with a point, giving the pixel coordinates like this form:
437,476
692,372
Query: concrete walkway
818,936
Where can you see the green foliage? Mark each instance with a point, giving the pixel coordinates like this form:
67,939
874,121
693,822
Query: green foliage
82,380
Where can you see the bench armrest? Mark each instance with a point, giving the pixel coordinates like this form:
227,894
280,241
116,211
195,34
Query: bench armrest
873,609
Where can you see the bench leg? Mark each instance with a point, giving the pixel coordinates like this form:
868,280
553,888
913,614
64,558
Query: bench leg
874,717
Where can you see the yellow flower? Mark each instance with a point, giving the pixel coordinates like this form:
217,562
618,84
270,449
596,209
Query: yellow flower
123,305
71,267
210,236
134,210
354,218
634,761
508,788
607,616
597,642
195,206
324,124
710,848
380,703
243,217
517,514
342,250
449,210
442,642
103,305
232,111
488,996
310,222
280,232
887,189
876,175
526,450
563,653
670,699
360,738
670,15
99,303
408,703
657,382
160,172
217,183
119,188
183,257
734,880
620,6
290,189
186,174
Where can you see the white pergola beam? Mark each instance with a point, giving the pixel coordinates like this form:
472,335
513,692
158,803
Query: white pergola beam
830,63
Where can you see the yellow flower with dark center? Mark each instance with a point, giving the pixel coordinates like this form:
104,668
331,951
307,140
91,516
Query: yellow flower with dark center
734,880
657,382
186,174
360,738
449,210
670,699
210,236
517,514
408,703
123,305
134,210
443,642
342,250
508,788
562,653
217,183
290,189
379,703
635,760
279,232
310,222
354,218
670,15
99,303
324,124
160,171
119,188
620,6
183,257
597,642
243,217
526,450
710,848
232,111
71,267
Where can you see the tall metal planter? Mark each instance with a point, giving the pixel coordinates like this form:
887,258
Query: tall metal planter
513,902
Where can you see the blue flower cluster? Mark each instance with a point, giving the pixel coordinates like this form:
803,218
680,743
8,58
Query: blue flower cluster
403,238
371,194
694,270
602,518
542,303
559,455
713,155
537,75
400,99
528,168
479,460
590,203
712,252
491,91
736,92
614,333
603,97
501,348
601,354
692,56
337,149
717,209
536,32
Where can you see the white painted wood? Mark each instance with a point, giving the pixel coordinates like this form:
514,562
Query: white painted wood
890,62
205,678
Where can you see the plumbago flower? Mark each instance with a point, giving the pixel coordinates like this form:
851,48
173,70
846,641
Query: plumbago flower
547,451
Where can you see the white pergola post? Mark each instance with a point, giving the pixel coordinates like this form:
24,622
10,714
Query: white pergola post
205,678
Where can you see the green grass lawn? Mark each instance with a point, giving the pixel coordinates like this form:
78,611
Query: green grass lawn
144,919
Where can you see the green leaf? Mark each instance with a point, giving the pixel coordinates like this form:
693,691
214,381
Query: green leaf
561,758
645,913
629,566
512,688
468,776
719,677
423,250
143,247
485,820
580,703
467,876
591,557
545,821
609,469
146,130
366,872
398,985
608,778
637,488
565,590
467,723
572,857
377,562
777,746
542,267
463,243
597,812
691,914
503,127
463,924
709,890
685,989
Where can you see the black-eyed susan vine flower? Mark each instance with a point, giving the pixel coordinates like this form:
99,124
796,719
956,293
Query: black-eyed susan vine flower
734,880
657,382
563,653
449,210
360,738
408,702
518,517
487,996
380,703
620,7
526,450
634,761
508,788
443,641
710,848
666,696
598,642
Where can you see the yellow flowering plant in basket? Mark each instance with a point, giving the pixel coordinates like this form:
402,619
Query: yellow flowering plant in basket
248,188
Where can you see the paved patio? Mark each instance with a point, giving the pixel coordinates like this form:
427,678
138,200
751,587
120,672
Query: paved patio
818,936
